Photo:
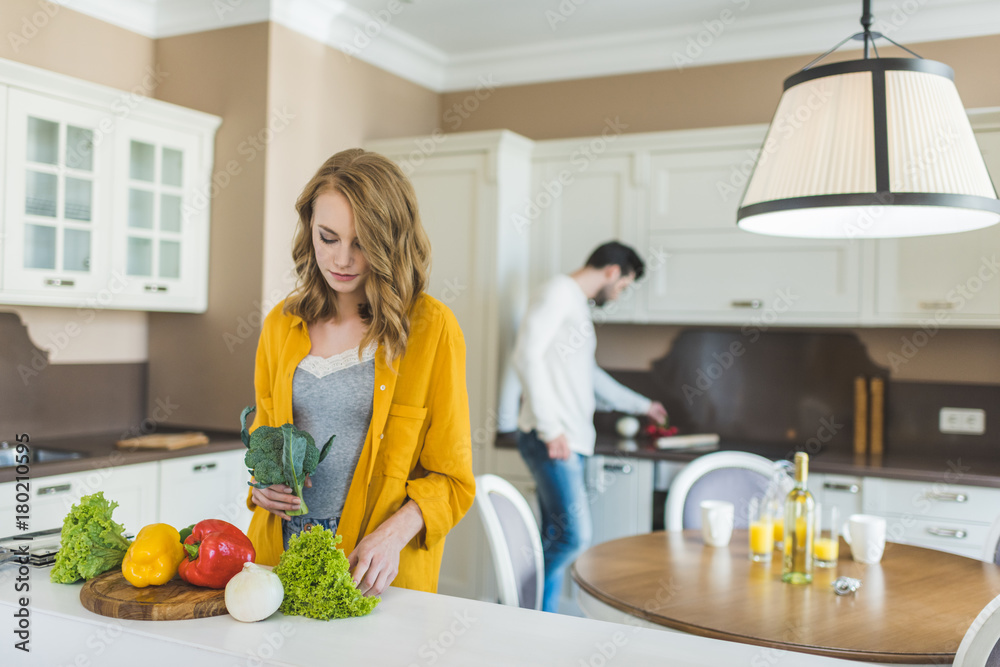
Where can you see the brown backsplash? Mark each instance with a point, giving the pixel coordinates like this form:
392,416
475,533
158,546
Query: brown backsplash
55,400
792,387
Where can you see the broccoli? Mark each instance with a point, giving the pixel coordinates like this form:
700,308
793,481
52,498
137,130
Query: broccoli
281,456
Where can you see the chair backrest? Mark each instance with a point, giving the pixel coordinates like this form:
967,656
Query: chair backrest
515,543
732,476
991,551
980,646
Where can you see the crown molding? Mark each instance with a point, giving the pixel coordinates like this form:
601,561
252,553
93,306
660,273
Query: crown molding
378,42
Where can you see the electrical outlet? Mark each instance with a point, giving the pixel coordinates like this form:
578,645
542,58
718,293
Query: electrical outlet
962,420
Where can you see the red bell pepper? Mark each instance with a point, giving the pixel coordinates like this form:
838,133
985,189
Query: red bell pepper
216,551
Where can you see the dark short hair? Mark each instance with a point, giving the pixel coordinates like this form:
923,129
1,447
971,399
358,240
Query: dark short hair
620,255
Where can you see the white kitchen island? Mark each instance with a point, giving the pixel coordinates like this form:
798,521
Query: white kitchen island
408,628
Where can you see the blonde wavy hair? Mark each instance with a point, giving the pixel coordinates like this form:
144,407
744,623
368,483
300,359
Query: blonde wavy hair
393,241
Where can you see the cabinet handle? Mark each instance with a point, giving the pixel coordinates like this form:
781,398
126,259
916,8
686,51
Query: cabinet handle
936,305
204,466
618,467
755,304
947,497
848,488
151,287
59,282
956,533
52,490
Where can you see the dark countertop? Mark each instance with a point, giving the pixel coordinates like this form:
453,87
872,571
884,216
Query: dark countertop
98,450
951,467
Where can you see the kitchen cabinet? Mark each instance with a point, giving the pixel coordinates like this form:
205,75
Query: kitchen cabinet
674,196
949,517
471,187
133,487
105,196
620,493
206,486
576,206
945,280
845,492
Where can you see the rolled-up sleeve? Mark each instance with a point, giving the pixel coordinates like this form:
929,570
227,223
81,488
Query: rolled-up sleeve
448,489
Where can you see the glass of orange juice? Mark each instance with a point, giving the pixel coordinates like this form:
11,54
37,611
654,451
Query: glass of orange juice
761,531
826,544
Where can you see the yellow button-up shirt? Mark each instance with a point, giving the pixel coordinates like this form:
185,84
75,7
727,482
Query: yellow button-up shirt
418,445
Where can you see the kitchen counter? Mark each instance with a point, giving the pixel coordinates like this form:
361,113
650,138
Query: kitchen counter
951,467
408,628
97,451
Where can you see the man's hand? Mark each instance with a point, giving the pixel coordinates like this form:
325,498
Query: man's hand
559,447
657,412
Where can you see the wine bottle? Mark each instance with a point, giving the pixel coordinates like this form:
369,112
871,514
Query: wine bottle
800,509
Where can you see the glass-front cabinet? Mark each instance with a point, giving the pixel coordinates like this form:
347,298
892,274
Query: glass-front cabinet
158,243
105,201
57,213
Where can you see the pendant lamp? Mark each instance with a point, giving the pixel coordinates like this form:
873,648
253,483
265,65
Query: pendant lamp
871,148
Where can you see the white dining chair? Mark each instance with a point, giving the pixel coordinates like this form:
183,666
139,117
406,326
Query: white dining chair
515,543
980,646
991,550
732,476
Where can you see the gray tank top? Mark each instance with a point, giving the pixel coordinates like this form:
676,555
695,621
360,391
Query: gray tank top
333,396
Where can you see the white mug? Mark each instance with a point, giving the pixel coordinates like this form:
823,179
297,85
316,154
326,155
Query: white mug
866,535
717,522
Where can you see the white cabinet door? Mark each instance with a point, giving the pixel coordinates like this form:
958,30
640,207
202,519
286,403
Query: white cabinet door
206,486
133,487
741,278
692,191
57,209
841,491
620,494
580,206
952,278
160,251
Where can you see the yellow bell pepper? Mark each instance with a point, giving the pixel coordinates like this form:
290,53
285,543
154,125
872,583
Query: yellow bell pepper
154,556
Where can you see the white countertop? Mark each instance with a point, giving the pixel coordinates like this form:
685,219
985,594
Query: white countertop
407,629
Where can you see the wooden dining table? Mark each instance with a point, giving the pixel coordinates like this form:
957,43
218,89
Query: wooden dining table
913,607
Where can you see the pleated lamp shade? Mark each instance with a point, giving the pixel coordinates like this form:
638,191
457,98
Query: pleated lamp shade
869,149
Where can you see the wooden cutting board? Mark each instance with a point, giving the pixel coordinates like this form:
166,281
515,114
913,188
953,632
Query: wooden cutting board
165,441
111,595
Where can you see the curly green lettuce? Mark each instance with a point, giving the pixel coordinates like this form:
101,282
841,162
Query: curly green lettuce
284,455
317,578
91,541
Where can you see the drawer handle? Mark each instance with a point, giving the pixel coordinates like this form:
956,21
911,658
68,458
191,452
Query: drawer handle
936,305
956,533
204,466
151,287
618,467
59,282
52,490
848,488
755,304
948,497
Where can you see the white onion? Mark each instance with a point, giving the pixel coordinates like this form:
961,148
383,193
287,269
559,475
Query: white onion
253,594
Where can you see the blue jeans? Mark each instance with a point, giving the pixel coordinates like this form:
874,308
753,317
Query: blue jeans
562,497
297,524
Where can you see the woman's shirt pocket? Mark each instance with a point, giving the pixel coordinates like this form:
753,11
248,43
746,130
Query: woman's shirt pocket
398,450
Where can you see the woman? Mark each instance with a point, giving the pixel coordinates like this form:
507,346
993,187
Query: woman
359,351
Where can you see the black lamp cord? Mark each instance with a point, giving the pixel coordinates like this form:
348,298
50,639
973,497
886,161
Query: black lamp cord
867,35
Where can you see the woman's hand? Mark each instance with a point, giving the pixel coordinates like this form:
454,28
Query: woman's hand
277,499
374,562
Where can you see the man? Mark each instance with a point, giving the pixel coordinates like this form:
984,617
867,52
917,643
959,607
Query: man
561,382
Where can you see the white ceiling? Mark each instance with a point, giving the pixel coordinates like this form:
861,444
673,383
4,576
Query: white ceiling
451,44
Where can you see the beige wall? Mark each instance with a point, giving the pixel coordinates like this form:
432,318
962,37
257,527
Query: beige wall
332,103
64,41
711,96
204,363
